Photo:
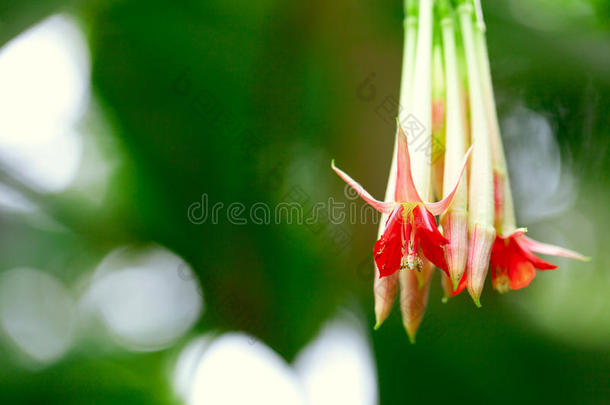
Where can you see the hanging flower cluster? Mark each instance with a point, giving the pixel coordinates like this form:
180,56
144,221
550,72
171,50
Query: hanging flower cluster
446,87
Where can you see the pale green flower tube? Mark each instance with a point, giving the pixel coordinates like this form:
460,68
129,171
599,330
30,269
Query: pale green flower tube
505,213
481,192
455,220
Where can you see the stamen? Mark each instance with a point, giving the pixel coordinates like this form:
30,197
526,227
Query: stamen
411,261
501,283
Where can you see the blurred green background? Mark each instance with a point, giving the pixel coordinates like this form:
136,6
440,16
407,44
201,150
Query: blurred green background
247,102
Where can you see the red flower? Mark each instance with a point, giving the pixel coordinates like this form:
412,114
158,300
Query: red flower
411,230
513,263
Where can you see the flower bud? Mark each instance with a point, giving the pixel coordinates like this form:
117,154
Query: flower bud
414,289
385,290
481,241
455,229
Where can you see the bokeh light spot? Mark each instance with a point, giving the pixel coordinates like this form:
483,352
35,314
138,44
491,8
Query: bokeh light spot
37,314
146,298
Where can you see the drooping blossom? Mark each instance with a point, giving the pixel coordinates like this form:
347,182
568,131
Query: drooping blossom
514,264
513,260
386,288
411,231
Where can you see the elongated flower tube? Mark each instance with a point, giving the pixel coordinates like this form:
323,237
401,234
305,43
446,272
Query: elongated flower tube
413,309
481,192
421,102
386,288
455,220
411,231
438,121
414,290
513,262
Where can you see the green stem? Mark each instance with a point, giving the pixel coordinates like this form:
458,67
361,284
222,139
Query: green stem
479,14
410,8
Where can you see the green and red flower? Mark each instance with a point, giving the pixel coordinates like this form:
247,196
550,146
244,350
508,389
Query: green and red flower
411,231
514,264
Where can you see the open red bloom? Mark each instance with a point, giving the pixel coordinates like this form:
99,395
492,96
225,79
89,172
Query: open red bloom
411,230
513,263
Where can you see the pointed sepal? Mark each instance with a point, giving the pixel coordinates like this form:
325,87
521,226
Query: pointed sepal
383,207
405,186
440,207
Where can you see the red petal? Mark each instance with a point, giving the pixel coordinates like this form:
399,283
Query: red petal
497,258
405,187
512,254
432,251
538,262
520,273
389,248
499,262
429,238
423,220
